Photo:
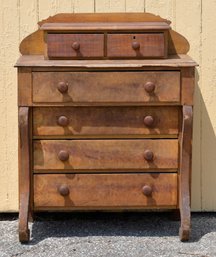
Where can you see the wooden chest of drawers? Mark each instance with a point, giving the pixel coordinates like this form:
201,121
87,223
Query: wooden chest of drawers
105,116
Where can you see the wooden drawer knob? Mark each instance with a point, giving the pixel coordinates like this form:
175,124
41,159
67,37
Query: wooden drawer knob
148,155
135,45
149,121
63,121
63,155
76,46
149,87
64,190
147,190
62,87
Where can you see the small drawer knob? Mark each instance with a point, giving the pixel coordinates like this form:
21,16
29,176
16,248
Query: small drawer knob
76,46
147,190
63,121
135,45
149,87
148,155
149,121
63,155
62,87
64,190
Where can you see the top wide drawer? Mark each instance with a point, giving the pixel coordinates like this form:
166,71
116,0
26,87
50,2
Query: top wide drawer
106,87
145,45
75,46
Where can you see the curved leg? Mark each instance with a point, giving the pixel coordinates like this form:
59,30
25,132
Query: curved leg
185,171
24,174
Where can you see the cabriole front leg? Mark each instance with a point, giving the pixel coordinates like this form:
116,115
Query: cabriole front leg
24,174
185,173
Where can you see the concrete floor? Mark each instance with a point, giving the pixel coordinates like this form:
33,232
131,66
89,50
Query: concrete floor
109,234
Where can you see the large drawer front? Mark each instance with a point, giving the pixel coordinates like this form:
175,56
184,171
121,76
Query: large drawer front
146,45
105,190
105,121
106,87
105,154
75,45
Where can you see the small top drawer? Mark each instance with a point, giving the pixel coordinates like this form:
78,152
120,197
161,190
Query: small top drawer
145,45
108,39
76,46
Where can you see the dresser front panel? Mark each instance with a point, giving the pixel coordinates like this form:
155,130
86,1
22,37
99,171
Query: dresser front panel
105,121
106,87
104,191
77,46
105,154
141,45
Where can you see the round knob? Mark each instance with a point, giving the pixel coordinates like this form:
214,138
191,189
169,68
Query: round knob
64,190
148,155
147,190
63,155
135,45
62,87
63,121
149,121
76,46
149,87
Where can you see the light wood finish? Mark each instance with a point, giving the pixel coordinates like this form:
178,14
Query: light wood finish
105,154
105,26
105,191
105,121
61,45
151,45
174,61
106,87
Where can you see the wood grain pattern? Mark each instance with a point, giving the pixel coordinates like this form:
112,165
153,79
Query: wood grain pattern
185,173
24,87
33,44
105,191
60,45
106,87
105,26
188,84
24,173
152,45
174,61
105,121
105,154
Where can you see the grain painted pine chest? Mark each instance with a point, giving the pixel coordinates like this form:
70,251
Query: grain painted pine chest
105,116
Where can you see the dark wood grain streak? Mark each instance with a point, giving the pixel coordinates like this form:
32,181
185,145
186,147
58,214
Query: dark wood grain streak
104,190
105,121
106,87
61,45
105,154
150,45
